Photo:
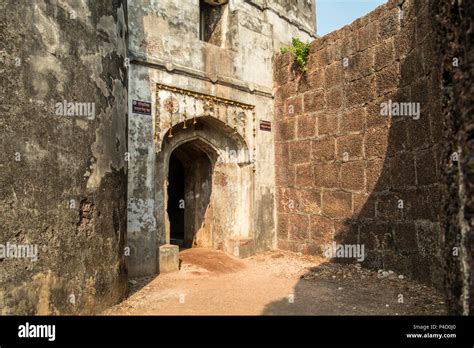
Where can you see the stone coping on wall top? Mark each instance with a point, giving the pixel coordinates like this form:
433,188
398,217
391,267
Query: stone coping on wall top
358,23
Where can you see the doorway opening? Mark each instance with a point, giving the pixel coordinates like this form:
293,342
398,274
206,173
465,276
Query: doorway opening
176,202
189,192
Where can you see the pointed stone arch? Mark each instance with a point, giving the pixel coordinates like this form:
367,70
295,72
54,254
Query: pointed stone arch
227,214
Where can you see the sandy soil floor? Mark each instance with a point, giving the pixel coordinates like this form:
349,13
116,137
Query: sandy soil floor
211,282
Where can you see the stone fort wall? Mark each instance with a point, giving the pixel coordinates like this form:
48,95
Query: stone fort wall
345,173
64,181
165,48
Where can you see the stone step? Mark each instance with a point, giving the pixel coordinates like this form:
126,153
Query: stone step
168,258
241,247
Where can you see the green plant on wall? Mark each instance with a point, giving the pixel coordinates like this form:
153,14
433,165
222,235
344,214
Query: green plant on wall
300,52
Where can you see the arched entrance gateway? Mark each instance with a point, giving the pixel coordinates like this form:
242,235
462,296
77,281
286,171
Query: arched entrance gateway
206,177
204,174
196,182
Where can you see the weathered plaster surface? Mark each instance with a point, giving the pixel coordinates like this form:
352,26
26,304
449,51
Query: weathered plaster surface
66,193
165,47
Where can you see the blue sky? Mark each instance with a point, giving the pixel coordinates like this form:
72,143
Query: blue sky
334,14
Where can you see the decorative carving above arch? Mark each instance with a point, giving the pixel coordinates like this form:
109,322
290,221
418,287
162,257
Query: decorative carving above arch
227,145
177,107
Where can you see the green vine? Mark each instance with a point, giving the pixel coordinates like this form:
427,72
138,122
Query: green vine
300,52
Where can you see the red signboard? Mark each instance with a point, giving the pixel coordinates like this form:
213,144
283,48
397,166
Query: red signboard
266,126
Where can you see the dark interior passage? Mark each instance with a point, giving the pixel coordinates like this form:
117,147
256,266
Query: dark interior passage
189,192
176,203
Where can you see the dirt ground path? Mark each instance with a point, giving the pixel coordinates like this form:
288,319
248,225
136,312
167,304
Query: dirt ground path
211,282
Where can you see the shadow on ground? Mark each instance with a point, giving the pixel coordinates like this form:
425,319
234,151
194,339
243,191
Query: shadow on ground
347,289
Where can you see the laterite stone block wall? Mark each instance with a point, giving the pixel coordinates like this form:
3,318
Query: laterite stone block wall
346,173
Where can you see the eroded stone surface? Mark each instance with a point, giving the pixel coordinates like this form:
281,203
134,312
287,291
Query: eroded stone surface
377,176
63,176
